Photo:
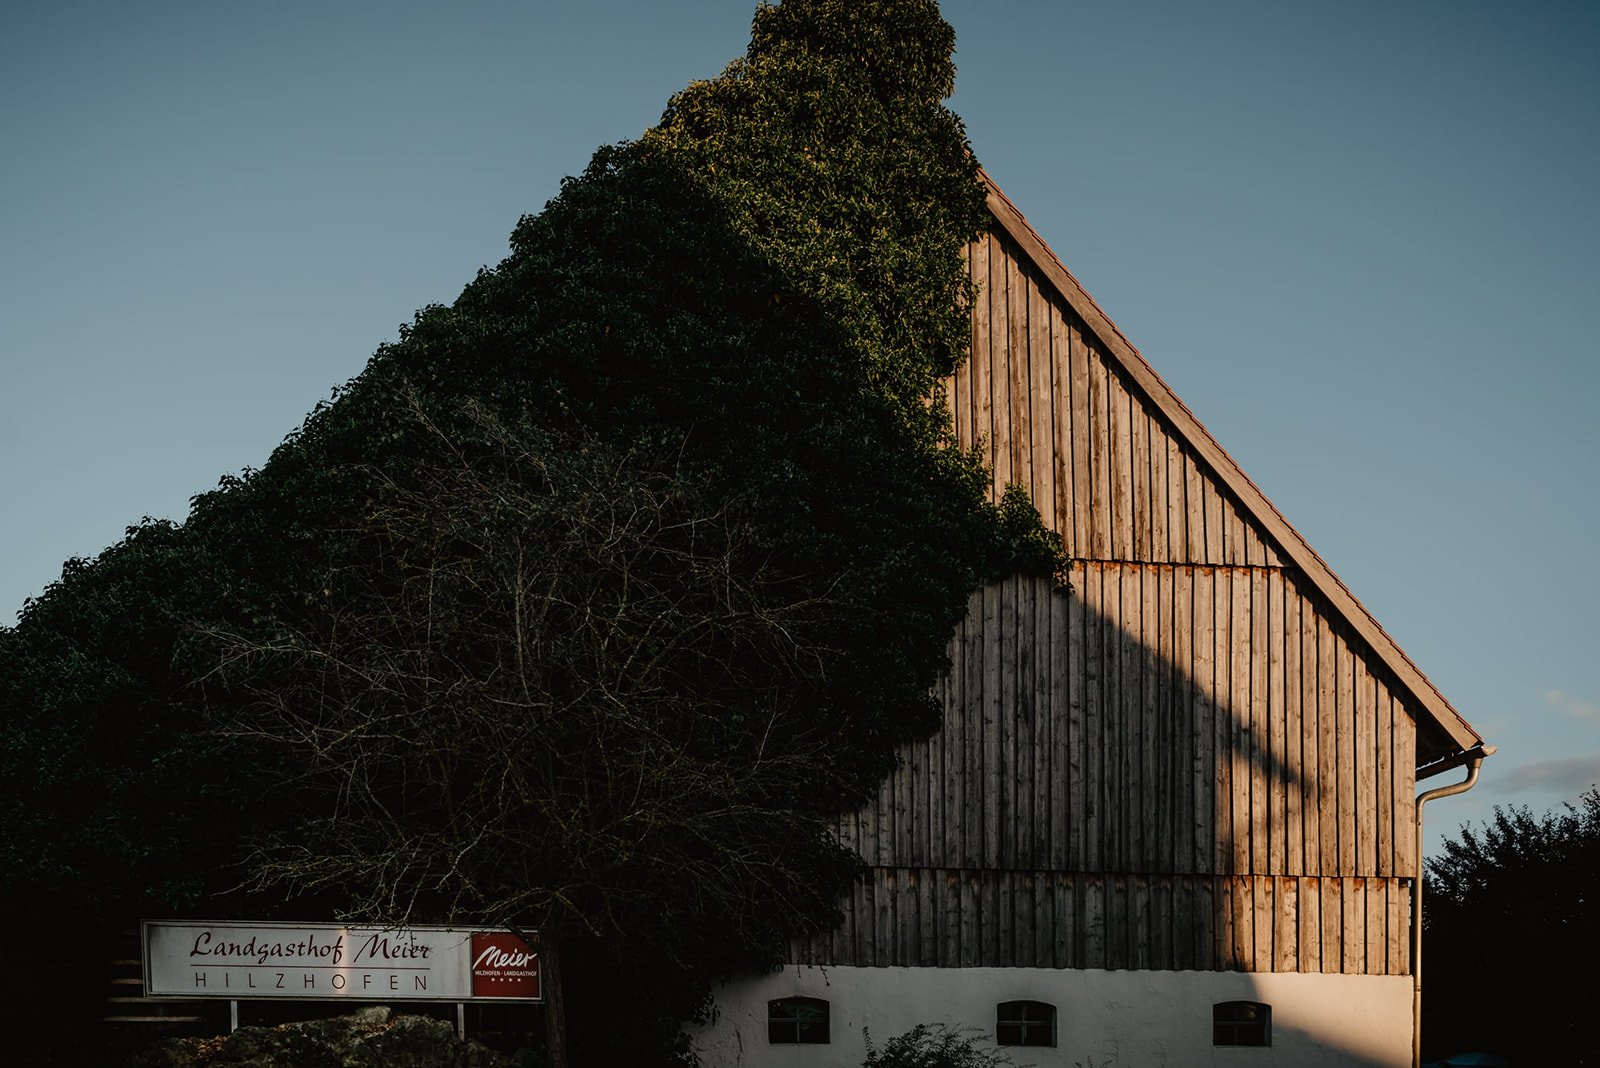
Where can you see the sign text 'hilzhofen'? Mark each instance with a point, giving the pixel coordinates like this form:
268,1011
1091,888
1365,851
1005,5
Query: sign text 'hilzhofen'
235,959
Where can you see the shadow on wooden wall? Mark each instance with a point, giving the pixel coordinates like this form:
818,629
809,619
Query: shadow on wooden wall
1166,767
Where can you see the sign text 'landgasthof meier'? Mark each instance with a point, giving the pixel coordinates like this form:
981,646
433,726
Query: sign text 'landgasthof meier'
239,959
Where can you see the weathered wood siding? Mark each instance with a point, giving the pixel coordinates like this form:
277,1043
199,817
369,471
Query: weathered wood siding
1133,774
1141,723
1056,416
1184,762
964,918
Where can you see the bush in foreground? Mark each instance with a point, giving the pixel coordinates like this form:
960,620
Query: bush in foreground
935,1046
367,1039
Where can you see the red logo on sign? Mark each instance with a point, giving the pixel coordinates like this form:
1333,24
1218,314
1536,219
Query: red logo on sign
503,966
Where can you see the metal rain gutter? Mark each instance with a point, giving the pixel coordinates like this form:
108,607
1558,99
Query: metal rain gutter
1473,759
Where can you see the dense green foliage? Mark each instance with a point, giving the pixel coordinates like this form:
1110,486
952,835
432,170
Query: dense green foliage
1506,906
614,579
369,1039
936,1046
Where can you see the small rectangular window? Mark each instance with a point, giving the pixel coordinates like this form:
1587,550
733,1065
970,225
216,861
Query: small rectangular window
1025,1023
1241,1023
792,1021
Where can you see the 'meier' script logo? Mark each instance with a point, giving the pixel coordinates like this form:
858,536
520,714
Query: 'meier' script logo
503,966
495,957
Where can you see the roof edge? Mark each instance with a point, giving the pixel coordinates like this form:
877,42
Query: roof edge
1228,471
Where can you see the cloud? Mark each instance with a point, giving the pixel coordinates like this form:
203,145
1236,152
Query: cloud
1574,706
1566,776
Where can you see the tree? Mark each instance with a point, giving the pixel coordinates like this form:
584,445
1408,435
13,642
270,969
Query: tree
593,597
1507,907
543,686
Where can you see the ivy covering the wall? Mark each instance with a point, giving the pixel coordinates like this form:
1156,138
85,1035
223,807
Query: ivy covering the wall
698,406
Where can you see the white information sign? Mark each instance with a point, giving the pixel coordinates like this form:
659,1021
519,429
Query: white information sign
247,960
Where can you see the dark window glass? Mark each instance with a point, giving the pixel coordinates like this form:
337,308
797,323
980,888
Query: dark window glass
1025,1023
1241,1023
797,1020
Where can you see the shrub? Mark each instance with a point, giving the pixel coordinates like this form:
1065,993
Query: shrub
935,1046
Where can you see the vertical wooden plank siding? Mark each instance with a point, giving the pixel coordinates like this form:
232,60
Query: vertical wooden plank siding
1186,789
1112,754
1258,754
1376,960
1366,804
976,368
1001,805
1136,677
1203,687
1094,922
1155,549
1385,781
1157,892
1029,813
1017,352
1399,927
1333,940
1183,761
1060,440
1347,817
1047,777
1177,548
1099,503
1194,511
1077,728
1405,790
1129,629
1000,428
1240,711
1213,497
1354,936
1225,899
971,728
1079,501
987,753
1120,432
883,839
1327,752
1094,743
1310,763
947,787
1155,734
1059,686
1051,410
1285,936
1139,481
1277,753
1293,777
1163,738
1310,927
1043,432
1224,841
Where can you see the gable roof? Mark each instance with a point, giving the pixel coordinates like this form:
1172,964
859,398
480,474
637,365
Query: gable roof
1457,734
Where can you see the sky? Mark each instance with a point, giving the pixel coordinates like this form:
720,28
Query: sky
1358,239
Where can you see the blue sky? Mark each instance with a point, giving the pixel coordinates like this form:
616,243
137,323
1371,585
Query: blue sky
1359,240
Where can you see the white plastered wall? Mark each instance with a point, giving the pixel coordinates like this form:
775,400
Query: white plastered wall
1124,1019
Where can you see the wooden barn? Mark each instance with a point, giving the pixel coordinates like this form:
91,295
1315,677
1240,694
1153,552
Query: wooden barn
1171,817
